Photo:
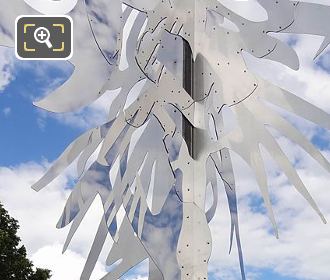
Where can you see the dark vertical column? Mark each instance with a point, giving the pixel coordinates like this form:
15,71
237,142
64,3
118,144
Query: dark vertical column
188,85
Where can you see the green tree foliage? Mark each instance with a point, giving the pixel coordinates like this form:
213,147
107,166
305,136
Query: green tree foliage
14,264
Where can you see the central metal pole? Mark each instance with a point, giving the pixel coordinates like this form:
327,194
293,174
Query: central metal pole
194,245
188,85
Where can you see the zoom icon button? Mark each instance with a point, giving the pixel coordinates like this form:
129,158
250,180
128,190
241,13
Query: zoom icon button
44,37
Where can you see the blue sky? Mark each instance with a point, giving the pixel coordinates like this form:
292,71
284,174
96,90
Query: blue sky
30,134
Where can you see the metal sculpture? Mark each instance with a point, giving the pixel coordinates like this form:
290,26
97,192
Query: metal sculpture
158,181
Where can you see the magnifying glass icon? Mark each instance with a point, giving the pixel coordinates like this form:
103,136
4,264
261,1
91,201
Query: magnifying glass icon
42,35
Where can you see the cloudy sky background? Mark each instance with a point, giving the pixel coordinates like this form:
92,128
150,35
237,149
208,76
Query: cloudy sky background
31,139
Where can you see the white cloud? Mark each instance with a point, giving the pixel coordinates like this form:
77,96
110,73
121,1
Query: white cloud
67,266
38,213
37,225
6,67
6,111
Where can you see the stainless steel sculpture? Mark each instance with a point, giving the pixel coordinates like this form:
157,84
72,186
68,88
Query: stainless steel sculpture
157,180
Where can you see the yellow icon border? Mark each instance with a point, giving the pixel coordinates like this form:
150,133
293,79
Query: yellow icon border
61,25
60,49
26,49
26,25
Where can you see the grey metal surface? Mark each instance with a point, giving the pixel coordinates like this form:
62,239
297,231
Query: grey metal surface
55,7
135,47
